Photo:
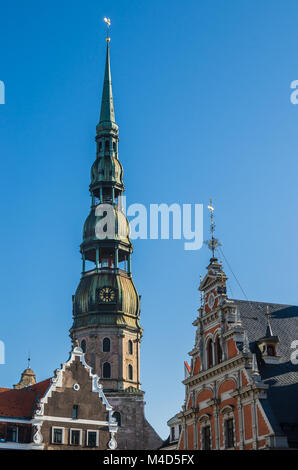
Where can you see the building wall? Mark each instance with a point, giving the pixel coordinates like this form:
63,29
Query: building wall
118,357
135,432
60,405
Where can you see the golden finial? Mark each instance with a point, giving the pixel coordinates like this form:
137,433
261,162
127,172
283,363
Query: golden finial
108,23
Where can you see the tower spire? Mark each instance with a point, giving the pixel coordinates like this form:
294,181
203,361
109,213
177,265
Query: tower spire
213,243
107,114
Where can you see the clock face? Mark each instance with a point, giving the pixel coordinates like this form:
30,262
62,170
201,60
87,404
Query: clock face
211,300
107,294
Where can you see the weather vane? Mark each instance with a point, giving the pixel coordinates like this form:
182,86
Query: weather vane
108,23
213,243
29,359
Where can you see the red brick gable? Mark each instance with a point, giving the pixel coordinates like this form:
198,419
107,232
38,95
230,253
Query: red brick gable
21,403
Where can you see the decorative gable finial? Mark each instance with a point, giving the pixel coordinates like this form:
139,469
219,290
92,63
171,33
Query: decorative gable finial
254,368
245,343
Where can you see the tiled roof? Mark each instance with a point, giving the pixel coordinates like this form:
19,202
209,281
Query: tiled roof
282,378
21,403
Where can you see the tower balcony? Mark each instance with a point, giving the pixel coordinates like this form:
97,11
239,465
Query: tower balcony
106,270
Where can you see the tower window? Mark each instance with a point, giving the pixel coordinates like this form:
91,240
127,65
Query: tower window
106,345
99,146
130,347
117,417
83,345
107,146
270,350
106,370
114,146
130,372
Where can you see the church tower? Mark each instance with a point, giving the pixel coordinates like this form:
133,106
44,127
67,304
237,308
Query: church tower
106,305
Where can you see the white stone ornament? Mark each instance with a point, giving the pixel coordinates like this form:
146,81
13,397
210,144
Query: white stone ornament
112,443
37,437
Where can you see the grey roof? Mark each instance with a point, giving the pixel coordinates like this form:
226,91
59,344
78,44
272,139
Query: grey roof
282,378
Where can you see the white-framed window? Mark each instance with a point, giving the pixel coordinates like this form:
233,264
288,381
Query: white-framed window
75,437
205,432
206,437
229,430
57,435
92,438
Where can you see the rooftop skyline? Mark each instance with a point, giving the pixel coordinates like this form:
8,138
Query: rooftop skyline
202,100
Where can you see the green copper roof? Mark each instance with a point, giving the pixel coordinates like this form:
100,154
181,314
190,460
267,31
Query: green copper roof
107,113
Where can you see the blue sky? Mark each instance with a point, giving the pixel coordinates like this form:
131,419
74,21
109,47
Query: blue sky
202,99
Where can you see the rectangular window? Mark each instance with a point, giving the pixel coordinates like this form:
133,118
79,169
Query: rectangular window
173,433
57,436
92,438
75,412
12,434
206,438
75,437
229,425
